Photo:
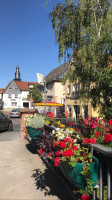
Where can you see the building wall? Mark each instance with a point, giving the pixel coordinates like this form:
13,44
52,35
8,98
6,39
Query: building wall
59,94
13,97
72,105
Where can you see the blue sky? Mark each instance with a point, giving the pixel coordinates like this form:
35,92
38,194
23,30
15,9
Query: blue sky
26,39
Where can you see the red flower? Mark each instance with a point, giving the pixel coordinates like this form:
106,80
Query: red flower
97,133
92,140
83,154
40,151
89,140
57,153
77,129
62,144
85,197
86,141
54,144
70,123
68,152
110,122
57,161
74,147
108,137
49,154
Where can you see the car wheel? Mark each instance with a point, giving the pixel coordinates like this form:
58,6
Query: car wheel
10,127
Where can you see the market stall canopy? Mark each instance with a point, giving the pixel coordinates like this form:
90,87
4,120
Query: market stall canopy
48,103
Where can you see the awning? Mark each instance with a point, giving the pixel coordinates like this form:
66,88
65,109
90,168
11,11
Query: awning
48,103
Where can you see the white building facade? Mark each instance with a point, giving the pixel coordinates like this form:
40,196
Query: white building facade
15,94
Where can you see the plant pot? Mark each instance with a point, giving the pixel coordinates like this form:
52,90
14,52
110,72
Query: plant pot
34,133
74,174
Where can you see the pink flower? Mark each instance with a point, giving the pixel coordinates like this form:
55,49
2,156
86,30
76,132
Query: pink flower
85,121
83,154
93,126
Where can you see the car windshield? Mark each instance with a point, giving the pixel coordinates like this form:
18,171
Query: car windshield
15,110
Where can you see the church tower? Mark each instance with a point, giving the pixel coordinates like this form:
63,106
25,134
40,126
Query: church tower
17,74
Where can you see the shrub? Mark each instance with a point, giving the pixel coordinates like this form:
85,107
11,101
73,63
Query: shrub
37,122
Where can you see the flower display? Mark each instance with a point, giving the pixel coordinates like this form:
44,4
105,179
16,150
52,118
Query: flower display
85,197
95,130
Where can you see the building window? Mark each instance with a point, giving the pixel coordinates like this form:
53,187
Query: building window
75,93
9,96
16,96
69,110
63,101
10,88
14,104
69,89
85,111
76,110
49,98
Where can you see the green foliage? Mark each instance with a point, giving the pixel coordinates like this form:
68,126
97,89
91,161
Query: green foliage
85,29
36,94
28,119
37,122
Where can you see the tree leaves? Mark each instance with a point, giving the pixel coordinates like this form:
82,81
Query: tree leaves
86,29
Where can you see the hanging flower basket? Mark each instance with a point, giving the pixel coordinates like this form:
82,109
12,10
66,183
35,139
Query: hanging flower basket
74,174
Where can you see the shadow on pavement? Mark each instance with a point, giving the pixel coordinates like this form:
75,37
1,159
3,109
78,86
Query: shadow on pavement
46,181
31,149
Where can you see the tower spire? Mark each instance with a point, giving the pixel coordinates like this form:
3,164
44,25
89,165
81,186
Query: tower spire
17,74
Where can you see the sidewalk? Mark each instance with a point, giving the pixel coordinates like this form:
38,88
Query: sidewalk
23,175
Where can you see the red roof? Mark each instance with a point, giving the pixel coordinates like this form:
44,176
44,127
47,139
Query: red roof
1,90
22,85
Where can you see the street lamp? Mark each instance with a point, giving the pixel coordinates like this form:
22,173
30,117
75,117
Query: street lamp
31,88
42,81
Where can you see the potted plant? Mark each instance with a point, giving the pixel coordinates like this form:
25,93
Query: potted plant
74,159
35,125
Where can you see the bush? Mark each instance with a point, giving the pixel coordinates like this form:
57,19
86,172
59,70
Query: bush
37,122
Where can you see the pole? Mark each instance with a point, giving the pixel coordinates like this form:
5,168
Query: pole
31,97
45,94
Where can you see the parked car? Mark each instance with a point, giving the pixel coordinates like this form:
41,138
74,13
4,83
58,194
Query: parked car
0,106
15,113
5,122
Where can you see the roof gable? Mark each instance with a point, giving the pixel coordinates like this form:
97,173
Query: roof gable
24,86
20,85
56,74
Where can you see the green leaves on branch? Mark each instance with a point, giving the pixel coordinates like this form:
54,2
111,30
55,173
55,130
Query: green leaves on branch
84,29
